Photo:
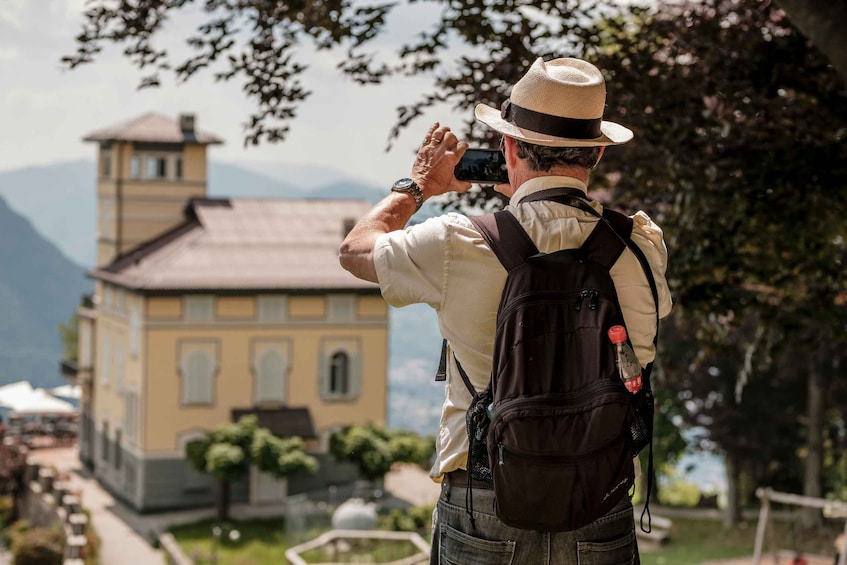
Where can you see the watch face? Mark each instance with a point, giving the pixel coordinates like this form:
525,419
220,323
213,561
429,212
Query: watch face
404,183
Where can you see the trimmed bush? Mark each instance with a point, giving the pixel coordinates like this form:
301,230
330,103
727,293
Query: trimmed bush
38,546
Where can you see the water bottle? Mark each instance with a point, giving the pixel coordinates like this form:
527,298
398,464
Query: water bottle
628,365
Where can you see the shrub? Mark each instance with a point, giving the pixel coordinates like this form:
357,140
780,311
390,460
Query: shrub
415,519
6,507
39,546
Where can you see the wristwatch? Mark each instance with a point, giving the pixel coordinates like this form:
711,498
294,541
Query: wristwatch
408,186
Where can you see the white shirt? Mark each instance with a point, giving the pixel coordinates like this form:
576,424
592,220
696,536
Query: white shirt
445,263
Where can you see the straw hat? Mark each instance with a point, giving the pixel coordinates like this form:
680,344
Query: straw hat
557,103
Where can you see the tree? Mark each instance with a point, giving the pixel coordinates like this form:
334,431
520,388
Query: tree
69,332
822,22
502,38
740,152
12,472
374,449
228,451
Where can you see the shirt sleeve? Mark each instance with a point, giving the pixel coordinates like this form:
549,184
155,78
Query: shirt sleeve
410,263
648,236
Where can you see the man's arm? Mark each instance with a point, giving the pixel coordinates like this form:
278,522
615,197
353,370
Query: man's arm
390,214
432,172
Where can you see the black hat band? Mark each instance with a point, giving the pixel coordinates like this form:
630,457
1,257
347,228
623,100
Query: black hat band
571,128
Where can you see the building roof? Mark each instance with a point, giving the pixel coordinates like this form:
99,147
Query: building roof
155,128
245,244
283,422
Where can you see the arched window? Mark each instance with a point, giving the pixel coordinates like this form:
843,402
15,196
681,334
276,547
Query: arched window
340,377
270,377
339,373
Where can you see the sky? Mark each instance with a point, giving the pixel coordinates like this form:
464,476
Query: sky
46,109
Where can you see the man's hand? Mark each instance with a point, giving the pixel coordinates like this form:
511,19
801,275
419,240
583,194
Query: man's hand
437,158
433,173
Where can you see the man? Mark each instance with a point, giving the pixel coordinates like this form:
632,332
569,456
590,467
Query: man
553,135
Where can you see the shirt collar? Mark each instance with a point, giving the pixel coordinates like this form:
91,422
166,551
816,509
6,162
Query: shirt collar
538,184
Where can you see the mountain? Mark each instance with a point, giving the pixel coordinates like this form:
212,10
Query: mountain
60,199
39,289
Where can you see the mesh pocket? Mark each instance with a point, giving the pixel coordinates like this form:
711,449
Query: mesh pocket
641,428
478,423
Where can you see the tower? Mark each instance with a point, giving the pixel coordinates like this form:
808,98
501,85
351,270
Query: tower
147,170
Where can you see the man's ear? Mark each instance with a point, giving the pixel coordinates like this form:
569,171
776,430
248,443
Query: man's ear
510,150
599,156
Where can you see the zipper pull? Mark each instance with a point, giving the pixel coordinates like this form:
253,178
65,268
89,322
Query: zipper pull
582,295
592,303
502,455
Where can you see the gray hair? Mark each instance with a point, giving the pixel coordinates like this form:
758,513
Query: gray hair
544,158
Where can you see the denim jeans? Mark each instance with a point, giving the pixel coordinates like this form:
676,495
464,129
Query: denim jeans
609,540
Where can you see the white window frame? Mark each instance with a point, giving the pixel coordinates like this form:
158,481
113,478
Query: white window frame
141,160
199,308
134,329
272,308
120,364
261,352
85,343
105,358
341,307
190,384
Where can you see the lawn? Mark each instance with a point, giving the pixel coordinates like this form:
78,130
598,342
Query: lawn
693,542
260,542
696,541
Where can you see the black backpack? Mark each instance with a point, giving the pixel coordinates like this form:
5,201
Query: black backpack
556,430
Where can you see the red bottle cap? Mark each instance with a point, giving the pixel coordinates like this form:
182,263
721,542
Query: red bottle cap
617,334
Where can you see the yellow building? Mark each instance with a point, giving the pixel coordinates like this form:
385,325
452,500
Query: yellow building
208,309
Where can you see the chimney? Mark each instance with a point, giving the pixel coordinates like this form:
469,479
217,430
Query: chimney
186,124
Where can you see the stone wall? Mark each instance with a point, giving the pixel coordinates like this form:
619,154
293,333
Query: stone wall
49,501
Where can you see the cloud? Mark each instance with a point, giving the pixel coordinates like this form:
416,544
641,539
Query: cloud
8,54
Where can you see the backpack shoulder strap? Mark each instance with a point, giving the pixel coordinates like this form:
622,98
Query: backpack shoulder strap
506,237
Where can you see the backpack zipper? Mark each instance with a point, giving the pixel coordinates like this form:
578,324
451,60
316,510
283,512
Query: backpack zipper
554,298
537,459
565,400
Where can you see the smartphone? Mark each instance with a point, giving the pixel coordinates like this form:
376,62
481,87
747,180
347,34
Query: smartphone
484,166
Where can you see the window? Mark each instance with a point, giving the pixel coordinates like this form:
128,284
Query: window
84,343
119,366
271,308
134,330
339,374
131,415
104,442
198,362
342,307
105,358
199,308
157,167
107,297
105,165
341,371
270,368
118,449
121,300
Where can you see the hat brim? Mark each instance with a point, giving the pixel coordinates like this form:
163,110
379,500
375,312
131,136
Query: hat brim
613,134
